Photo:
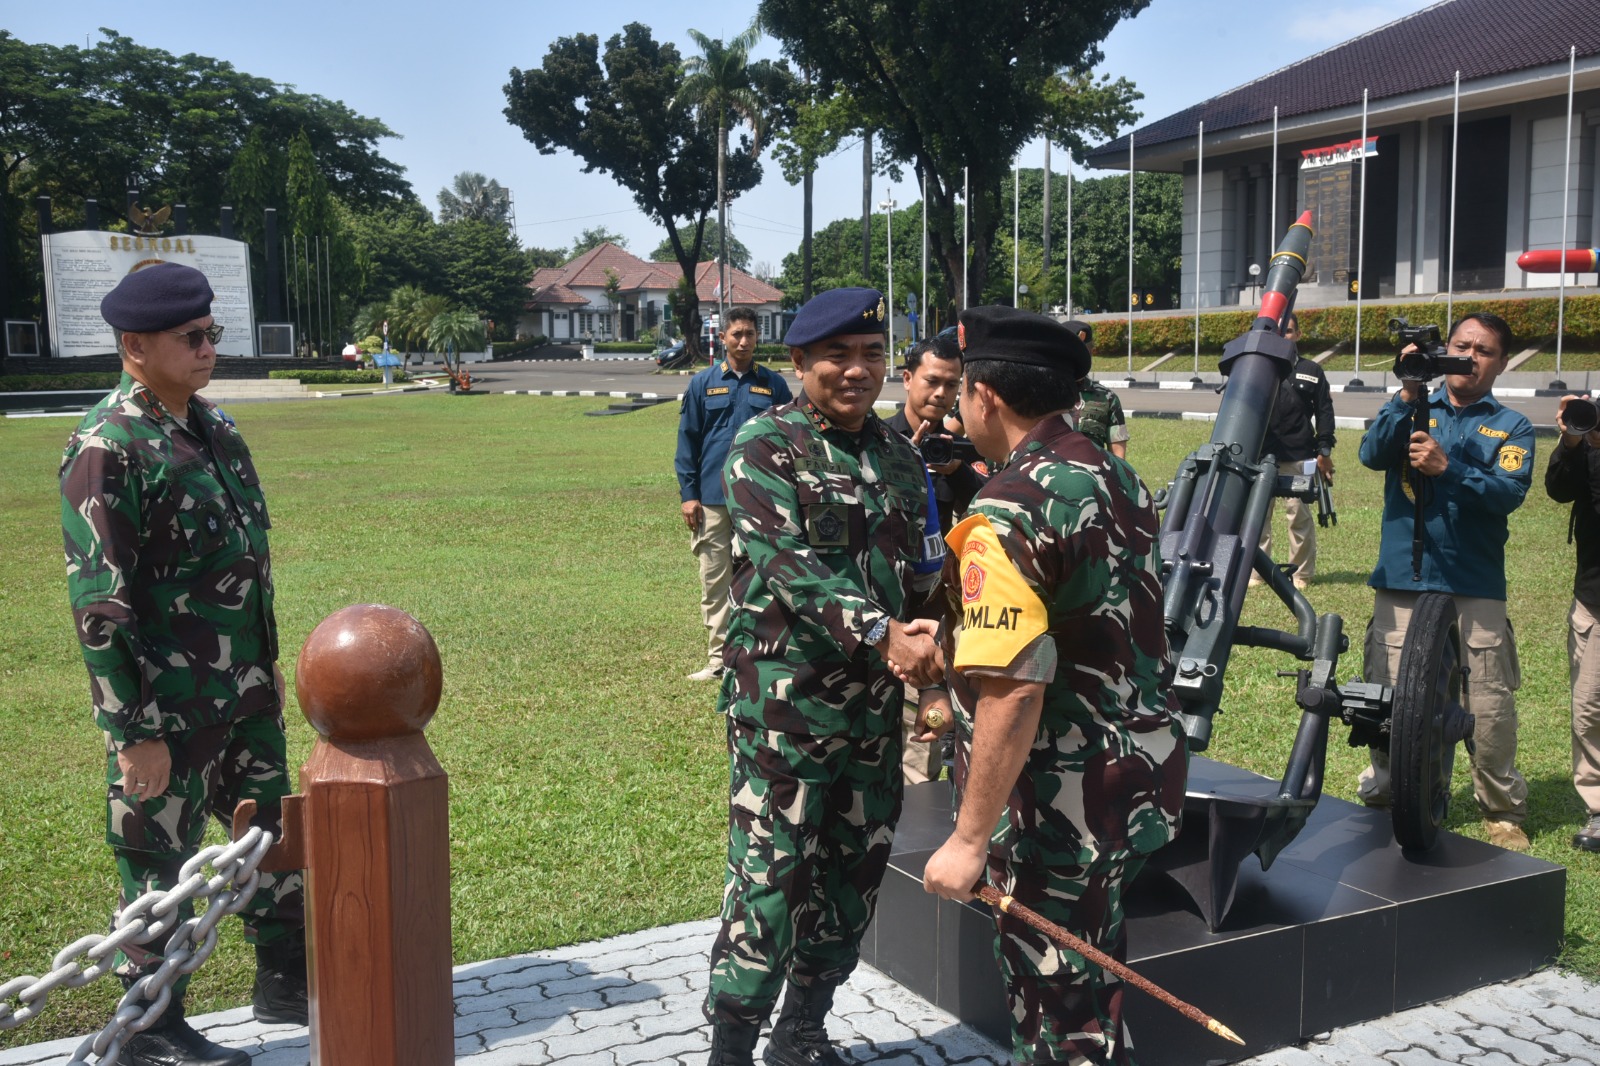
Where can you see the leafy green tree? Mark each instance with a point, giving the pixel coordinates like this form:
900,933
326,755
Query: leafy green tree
943,90
395,245
1100,237
738,254
86,123
315,226
473,196
836,252
544,257
594,238
619,119
484,269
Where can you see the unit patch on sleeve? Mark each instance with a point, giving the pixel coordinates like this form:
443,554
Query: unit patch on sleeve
1511,458
1000,612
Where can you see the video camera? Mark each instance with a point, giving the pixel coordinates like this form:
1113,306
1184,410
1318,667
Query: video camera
1430,359
940,449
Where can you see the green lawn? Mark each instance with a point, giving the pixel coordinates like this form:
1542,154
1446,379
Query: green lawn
545,553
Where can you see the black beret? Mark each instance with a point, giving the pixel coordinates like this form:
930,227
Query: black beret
835,312
1010,335
1081,329
157,297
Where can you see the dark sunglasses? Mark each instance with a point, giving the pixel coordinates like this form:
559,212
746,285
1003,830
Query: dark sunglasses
212,333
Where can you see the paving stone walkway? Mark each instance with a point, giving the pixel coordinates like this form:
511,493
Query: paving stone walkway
635,999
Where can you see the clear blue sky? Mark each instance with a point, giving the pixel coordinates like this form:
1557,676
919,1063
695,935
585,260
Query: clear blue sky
434,74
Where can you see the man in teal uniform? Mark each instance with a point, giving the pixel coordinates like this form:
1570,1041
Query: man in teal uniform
1477,460
170,579
829,509
717,402
1070,765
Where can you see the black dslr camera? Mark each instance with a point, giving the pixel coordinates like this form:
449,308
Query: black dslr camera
1430,359
938,450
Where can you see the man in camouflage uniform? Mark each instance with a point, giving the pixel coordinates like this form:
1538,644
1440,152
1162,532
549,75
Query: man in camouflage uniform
1099,412
171,587
1070,765
829,509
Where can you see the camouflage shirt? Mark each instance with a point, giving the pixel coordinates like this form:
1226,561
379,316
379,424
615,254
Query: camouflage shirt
167,567
1058,562
1100,415
827,528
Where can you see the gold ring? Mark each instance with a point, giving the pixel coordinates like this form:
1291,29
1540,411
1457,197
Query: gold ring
934,718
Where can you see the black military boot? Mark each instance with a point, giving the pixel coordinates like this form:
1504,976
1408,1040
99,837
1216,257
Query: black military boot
280,993
733,1044
800,1035
172,1041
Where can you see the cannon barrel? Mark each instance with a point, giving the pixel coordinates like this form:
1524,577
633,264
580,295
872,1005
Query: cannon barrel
1223,496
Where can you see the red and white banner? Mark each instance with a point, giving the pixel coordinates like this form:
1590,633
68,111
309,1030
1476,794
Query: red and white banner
1334,154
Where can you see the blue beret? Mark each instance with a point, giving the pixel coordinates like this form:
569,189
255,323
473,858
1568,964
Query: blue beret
1011,335
157,297
835,312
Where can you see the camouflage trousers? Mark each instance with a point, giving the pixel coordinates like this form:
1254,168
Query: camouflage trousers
1062,1010
810,823
213,768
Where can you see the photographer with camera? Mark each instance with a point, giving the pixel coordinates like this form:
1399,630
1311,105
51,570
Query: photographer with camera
932,377
1573,476
1456,464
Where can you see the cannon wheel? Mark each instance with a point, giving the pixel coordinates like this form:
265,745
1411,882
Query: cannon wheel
1420,759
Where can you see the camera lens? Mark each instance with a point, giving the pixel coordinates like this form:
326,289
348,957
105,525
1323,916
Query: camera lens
1581,416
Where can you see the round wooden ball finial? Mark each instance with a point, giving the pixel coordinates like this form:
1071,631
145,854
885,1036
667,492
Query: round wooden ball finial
368,672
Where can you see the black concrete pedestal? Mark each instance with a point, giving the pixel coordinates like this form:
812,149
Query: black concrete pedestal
1344,928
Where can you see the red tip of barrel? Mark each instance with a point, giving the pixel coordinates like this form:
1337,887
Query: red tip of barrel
1304,219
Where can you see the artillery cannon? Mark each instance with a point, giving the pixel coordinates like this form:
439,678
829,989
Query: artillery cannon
1214,511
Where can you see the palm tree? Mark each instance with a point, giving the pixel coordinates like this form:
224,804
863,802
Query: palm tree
411,311
717,82
453,332
473,196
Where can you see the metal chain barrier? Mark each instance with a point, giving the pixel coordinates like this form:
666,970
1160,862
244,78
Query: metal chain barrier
147,918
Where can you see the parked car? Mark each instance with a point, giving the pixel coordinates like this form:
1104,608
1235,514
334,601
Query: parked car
674,358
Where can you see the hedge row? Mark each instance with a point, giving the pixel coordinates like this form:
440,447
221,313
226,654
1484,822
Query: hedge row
1532,322
335,377
619,347
506,349
56,382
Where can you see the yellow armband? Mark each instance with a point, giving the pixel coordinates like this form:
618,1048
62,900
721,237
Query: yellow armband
1000,612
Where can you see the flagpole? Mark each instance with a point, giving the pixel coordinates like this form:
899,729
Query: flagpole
966,235
1272,218
1016,221
1450,262
1130,255
1566,186
1361,235
1069,234
1199,223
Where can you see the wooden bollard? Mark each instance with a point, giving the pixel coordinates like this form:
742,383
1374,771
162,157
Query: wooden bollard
374,829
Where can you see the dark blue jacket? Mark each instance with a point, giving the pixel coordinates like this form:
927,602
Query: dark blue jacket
1490,448
717,402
